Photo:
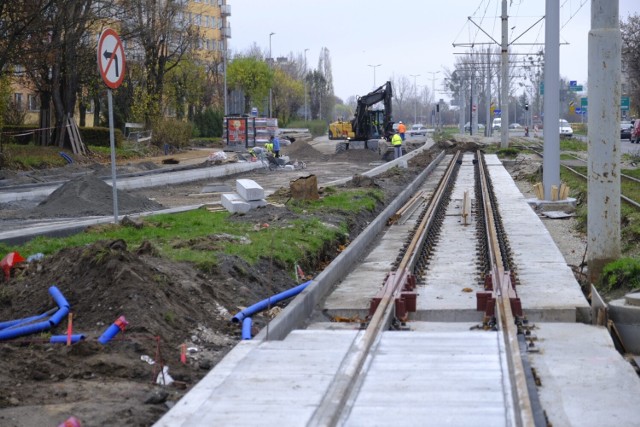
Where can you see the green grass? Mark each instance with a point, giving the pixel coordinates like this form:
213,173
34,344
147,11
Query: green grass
572,144
197,236
26,157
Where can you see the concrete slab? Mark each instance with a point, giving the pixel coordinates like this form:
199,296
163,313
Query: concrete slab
548,289
584,380
234,203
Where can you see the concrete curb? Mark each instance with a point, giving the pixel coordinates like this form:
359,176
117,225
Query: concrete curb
301,307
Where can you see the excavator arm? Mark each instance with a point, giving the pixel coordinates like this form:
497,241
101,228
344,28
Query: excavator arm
363,122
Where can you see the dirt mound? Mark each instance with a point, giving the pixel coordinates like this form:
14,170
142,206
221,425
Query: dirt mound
88,195
302,150
167,304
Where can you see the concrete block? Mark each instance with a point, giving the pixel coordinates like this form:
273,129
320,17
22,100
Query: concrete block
234,203
249,190
257,203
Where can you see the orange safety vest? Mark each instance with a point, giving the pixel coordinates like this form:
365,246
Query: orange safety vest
402,128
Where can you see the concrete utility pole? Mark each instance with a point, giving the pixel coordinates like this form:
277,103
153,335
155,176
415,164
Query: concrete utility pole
306,116
487,129
504,56
603,217
551,160
270,63
463,105
415,92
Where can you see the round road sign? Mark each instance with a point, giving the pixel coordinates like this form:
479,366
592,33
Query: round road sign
111,58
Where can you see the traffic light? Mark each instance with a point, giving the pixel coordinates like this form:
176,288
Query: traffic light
526,107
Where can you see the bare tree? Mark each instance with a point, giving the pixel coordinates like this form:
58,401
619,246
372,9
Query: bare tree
631,58
158,34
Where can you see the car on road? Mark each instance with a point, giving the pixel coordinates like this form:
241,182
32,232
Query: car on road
566,131
497,124
418,129
467,127
635,132
515,126
625,130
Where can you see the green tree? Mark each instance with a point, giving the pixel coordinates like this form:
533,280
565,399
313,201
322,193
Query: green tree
288,95
252,76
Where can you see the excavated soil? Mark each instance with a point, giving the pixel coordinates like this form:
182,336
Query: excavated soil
171,308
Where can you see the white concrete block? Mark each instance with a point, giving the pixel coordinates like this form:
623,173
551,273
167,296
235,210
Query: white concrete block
258,203
249,190
234,203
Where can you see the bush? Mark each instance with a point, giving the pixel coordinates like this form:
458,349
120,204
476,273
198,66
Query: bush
208,123
100,137
316,127
172,132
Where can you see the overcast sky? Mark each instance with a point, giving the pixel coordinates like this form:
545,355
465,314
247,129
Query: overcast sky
406,37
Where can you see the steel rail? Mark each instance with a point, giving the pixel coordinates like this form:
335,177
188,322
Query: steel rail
505,318
338,396
575,172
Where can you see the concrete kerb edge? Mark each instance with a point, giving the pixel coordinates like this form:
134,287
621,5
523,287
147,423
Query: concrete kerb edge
302,305
385,167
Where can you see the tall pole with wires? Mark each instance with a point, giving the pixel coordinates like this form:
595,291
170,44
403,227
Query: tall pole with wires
504,56
603,190
415,92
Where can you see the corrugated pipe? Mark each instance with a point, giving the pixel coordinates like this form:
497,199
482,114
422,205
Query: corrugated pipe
62,339
269,302
246,328
18,331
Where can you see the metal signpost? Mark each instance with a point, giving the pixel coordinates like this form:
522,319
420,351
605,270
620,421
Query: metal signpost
111,64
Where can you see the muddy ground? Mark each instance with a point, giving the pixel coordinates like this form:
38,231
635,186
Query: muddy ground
170,308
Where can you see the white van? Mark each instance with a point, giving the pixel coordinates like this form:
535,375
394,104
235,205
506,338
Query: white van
497,124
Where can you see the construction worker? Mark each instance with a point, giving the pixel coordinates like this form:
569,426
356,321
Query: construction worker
396,141
401,129
275,145
269,146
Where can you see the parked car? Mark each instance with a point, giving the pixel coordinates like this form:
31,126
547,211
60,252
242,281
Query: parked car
418,129
467,127
625,130
497,124
566,131
515,126
635,132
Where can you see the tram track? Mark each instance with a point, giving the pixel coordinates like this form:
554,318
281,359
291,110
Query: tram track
390,308
630,178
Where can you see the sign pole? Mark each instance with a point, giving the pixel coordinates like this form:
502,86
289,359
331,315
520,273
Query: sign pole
113,158
111,65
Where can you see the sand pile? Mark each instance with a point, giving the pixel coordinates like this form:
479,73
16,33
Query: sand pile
88,195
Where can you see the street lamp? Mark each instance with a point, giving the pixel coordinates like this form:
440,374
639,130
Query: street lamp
306,117
433,92
270,91
415,93
374,73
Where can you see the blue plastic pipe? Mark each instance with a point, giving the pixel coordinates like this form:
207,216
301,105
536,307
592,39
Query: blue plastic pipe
62,339
58,297
264,304
58,316
19,331
246,328
18,322
16,330
113,330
